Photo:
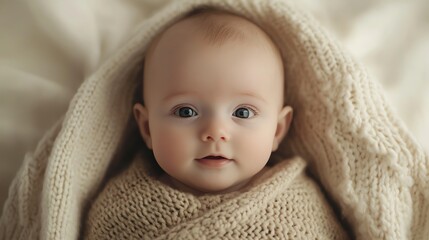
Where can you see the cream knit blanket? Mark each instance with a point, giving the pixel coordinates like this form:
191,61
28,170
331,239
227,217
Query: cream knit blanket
283,203
356,146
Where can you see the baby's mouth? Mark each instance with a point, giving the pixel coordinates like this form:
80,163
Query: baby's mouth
214,157
214,161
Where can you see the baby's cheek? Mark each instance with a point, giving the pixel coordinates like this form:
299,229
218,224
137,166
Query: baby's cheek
170,146
257,149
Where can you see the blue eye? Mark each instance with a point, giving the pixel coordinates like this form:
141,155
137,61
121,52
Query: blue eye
185,112
243,113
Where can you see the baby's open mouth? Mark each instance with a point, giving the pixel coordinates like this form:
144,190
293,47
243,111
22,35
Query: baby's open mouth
214,157
214,161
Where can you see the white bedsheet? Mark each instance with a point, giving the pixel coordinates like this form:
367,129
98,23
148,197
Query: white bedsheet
48,47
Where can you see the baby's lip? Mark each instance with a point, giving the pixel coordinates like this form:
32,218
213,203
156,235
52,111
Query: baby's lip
215,157
214,161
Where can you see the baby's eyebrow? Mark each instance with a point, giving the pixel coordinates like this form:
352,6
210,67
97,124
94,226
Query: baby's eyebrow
253,95
193,93
179,94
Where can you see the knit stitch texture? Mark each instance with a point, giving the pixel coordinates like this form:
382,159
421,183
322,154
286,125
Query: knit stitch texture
356,146
283,203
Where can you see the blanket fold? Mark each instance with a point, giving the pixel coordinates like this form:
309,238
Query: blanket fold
356,146
283,203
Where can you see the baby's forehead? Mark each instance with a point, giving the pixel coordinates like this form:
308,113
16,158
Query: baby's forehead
211,44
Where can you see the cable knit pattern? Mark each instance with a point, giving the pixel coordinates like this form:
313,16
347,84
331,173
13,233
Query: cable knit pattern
283,204
357,147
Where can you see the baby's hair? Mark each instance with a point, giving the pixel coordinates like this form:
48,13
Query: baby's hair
214,31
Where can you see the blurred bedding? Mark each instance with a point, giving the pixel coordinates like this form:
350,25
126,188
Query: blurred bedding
48,47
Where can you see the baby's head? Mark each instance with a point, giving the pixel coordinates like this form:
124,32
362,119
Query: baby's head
213,101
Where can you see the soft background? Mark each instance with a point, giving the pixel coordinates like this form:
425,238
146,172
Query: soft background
48,47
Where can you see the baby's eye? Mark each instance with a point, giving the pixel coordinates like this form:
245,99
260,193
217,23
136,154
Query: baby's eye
243,113
185,112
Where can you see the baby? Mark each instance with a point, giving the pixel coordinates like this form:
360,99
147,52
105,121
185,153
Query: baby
213,102
213,112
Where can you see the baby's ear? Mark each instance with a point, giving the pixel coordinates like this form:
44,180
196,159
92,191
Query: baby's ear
283,124
142,119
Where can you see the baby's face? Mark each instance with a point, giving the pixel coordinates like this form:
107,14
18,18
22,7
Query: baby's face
212,114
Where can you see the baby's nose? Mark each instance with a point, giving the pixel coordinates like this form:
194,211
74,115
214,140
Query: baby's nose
215,131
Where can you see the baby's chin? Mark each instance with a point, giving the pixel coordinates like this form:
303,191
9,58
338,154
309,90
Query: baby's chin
219,188
201,187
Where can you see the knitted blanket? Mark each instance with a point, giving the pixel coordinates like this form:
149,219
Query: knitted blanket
356,146
283,203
